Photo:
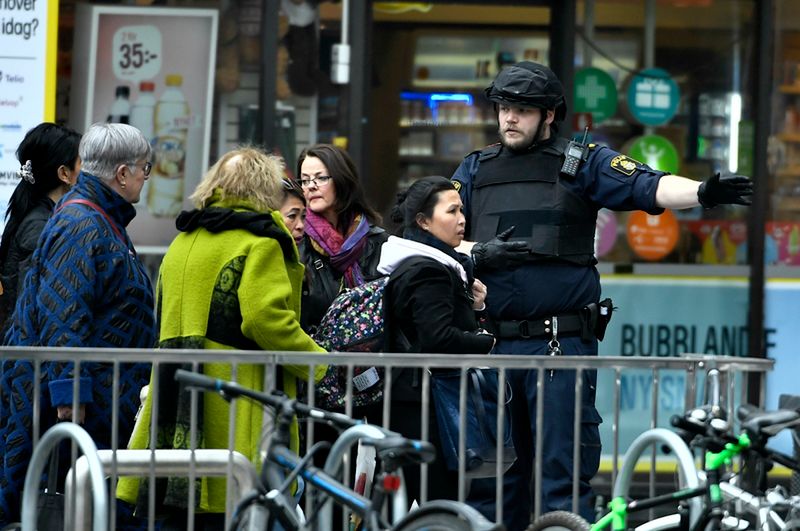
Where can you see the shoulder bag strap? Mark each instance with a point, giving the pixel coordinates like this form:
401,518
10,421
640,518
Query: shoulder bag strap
102,212
52,471
476,391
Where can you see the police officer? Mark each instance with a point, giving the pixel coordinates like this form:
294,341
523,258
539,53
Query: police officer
533,218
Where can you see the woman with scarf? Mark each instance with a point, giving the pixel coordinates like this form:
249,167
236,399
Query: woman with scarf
343,239
433,305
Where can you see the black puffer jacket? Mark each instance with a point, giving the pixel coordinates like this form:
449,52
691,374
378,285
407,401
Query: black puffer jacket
323,282
19,256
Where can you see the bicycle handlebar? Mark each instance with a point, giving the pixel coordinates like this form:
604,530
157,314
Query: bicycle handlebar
756,444
232,390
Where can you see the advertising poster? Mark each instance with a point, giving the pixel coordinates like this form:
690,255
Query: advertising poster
152,68
28,34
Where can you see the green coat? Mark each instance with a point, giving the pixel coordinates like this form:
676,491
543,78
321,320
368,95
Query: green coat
226,290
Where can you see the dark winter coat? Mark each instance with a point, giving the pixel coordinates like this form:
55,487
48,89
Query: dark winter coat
18,260
431,305
86,288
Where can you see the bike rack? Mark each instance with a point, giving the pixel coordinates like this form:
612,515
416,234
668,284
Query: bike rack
93,472
688,471
165,463
333,467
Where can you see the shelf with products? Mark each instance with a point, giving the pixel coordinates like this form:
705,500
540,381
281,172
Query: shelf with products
439,125
437,129
470,60
786,184
718,116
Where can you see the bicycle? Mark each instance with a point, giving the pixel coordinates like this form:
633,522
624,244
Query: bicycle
716,489
393,451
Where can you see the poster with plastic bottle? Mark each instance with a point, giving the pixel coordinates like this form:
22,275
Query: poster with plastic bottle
151,67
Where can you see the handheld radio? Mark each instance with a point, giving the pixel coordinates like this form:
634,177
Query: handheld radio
574,154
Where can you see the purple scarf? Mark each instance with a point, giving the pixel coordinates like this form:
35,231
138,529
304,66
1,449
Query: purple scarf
343,252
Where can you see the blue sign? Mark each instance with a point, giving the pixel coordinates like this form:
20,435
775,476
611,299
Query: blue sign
653,96
664,318
669,317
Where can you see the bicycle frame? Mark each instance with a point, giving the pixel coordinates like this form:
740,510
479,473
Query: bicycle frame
617,518
280,458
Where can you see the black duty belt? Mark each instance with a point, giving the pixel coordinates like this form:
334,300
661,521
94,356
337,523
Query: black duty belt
569,324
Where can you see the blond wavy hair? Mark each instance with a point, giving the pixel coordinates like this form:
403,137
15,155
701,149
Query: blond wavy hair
246,173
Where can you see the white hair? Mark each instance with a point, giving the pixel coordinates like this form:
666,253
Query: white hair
105,146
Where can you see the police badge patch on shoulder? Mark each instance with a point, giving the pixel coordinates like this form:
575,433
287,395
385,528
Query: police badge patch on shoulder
456,185
624,164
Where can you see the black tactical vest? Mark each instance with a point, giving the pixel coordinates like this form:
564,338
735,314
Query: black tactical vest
525,190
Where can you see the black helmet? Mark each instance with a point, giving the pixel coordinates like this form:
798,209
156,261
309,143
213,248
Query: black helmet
529,84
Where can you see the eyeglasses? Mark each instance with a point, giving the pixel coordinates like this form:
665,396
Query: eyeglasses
319,180
147,167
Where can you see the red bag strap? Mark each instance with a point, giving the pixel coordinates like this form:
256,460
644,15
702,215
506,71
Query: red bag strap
100,210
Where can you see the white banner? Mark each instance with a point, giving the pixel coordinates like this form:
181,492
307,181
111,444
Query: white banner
28,34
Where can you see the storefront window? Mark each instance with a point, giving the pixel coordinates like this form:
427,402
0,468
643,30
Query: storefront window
680,103
783,219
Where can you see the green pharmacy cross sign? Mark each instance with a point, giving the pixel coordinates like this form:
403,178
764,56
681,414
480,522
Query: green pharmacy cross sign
653,96
596,93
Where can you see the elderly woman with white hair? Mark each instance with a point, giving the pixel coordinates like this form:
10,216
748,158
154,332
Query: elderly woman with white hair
87,288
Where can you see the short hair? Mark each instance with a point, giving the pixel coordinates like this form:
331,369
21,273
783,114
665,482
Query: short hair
350,199
244,173
106,146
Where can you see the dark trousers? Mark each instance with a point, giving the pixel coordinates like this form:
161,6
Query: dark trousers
558,438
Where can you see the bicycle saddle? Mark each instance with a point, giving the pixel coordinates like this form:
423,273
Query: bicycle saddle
401,451
759,422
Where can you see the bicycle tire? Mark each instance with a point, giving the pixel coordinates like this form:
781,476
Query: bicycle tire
438,521
559,520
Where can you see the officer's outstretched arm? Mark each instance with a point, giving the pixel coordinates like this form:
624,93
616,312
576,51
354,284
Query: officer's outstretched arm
679,192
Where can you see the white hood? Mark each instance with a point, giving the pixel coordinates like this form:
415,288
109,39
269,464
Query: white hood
395,250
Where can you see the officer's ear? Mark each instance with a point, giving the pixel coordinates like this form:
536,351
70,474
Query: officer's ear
549,116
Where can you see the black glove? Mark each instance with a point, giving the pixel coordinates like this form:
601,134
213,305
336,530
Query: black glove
498,253
727,190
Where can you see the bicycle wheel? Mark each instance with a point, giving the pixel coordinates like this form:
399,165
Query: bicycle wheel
446,515
435,522
559,520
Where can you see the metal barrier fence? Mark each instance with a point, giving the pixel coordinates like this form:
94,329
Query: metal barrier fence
742,372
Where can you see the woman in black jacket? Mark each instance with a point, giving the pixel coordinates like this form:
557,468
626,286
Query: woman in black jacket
343,238
433,303
49,166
